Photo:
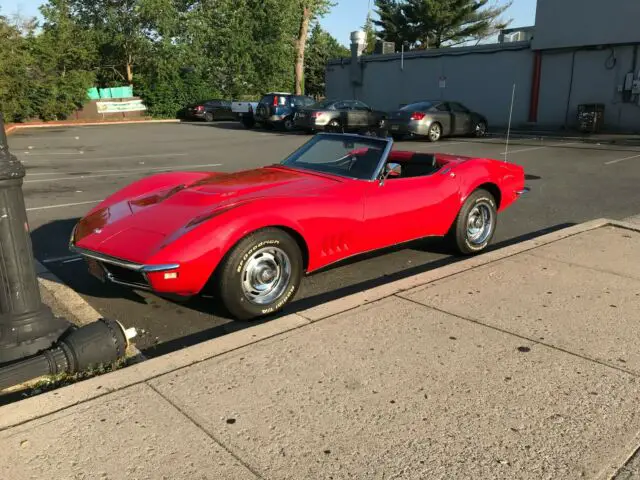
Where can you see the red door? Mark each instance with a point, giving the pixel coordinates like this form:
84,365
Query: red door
404,209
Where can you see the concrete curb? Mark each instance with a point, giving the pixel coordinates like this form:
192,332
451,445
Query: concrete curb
14,127
51,402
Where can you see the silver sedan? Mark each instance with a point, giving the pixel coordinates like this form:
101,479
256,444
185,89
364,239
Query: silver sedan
436,119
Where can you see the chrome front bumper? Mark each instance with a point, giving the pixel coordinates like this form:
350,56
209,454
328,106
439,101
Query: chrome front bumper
124,272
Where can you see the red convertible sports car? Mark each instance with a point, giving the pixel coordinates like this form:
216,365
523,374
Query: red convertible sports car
252,235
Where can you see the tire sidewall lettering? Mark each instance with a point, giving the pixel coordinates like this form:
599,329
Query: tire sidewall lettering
281,303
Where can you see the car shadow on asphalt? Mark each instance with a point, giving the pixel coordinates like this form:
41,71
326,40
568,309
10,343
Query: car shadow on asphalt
51,239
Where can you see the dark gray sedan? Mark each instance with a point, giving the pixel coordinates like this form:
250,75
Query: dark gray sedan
436,119
340,116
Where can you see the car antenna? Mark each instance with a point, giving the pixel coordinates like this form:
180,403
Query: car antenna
513,95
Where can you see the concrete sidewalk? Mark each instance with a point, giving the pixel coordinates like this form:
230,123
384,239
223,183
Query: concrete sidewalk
519,363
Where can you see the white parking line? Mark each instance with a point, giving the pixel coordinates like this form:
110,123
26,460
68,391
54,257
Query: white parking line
129,157
121,172
30,154
65,259
539,148
62,205
611,162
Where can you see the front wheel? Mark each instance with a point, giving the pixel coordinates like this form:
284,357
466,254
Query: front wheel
260,275
475,225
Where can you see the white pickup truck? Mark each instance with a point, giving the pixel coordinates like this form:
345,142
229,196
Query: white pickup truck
245,111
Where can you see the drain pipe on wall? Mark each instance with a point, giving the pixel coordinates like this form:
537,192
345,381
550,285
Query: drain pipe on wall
566,113
535,87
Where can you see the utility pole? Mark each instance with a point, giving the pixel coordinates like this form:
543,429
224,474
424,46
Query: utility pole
27,326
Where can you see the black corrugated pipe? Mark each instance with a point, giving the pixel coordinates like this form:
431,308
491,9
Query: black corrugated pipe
99,343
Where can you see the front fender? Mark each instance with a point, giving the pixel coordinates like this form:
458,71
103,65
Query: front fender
200,248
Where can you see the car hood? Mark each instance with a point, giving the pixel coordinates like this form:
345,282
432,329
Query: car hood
134,228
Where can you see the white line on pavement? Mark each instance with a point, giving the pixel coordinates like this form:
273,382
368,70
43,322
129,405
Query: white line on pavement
128,157
611,162
121,172
539,148
62,205
65,259
30,154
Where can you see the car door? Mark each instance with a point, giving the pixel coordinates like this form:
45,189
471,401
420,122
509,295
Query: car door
461,118
225,110
357,118
213,106
343,108
368,116
441,113
404,209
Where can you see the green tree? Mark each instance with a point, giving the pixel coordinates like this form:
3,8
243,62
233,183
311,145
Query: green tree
370,30
308,10
15,64
438,23
121,30
393,24
321,47
66,56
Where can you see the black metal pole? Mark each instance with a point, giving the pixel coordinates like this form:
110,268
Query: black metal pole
27,326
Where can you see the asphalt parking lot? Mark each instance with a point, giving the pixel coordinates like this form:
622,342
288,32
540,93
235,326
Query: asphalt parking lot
70,169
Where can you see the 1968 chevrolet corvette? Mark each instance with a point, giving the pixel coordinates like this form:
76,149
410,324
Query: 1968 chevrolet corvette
252,235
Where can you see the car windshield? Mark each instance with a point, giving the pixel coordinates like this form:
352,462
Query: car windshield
349,156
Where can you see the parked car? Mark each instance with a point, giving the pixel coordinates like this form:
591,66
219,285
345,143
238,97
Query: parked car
244,111
278,109
436,119
249,237
340,116
210,110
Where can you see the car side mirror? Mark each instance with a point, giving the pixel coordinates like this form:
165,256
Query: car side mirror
391,170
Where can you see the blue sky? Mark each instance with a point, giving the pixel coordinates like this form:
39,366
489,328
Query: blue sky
346,16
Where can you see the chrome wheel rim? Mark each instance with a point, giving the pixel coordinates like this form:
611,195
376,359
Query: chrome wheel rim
481,129
288,124
480,223
266,275
434,132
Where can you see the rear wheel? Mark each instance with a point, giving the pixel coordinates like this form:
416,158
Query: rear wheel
260,275
435,132
288,124
475,225
208,117
334,126
480,129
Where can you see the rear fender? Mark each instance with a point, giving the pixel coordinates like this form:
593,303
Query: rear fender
506,178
